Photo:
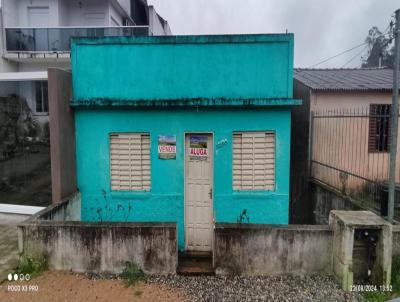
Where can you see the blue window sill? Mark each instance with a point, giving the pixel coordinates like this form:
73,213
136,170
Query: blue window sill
130,194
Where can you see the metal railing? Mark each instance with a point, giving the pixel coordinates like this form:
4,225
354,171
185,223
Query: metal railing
350,153
57,39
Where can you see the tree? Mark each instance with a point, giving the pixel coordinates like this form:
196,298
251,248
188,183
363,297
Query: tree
378,48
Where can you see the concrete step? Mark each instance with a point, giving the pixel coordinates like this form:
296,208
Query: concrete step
191,265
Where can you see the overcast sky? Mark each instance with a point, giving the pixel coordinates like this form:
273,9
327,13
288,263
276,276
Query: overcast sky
322,28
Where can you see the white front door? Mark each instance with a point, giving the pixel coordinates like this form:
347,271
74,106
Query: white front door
198,192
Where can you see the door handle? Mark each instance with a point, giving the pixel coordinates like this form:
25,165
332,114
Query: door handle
210,193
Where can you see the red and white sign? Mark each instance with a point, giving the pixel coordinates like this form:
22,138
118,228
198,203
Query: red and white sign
198,152
166,149
166,146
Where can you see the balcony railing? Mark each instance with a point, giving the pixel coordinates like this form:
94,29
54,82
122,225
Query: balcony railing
58,39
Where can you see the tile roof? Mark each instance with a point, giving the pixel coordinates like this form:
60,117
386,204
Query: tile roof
346,79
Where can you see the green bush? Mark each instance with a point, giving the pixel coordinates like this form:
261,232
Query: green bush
377,296
396,274
132,274
32,265
395,282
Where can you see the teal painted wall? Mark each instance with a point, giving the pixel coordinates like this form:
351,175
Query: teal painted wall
183,67
158,80
165,200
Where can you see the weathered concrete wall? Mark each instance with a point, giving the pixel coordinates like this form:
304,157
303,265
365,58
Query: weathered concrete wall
68,244
396,240
62,135
325,200
250,249
102,247
68,209
344,225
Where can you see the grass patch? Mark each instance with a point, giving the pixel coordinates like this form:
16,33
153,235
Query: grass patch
377,296
132,274
32,265
395,282
396,273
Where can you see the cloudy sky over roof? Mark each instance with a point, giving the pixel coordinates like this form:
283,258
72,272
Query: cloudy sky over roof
322,28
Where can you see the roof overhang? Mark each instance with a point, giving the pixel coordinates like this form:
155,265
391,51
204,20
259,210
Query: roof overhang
23,76
187,102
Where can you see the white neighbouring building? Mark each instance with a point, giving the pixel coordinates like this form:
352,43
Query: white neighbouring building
35,35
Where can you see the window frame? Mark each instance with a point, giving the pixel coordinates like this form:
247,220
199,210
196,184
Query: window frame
127,193
42,100
254,192
376,117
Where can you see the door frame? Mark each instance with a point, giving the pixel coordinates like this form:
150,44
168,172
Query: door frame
185,133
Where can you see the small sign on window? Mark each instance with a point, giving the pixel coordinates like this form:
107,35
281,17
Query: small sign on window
167,146
198,147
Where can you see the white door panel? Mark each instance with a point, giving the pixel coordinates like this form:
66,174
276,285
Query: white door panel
198,196
38,16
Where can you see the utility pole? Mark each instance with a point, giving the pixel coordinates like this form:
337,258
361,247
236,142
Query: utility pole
394,119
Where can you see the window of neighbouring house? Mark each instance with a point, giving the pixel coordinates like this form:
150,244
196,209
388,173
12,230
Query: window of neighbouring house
130,161
253,161
42,101
379,128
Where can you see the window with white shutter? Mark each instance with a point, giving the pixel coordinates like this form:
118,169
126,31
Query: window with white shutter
130,161
253,161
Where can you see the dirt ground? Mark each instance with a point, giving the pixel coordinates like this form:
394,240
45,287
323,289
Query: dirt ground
71,287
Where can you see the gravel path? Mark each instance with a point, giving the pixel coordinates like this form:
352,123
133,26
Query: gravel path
277,288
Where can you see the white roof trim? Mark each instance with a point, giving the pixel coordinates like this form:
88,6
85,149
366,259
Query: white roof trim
17,209
23,76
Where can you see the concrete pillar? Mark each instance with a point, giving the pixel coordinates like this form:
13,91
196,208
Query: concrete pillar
62,135
344,224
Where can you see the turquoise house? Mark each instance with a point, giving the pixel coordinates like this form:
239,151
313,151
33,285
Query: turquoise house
187,129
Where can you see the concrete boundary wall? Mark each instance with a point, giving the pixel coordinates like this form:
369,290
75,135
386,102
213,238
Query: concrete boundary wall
244,249
97,247
93,247
249,249
325,200
68,209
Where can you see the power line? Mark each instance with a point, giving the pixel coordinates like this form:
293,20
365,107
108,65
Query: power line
337,55
386,32
348,62
343,52
351,60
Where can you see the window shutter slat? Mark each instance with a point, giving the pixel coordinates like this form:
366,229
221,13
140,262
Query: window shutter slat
130,161
253,165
